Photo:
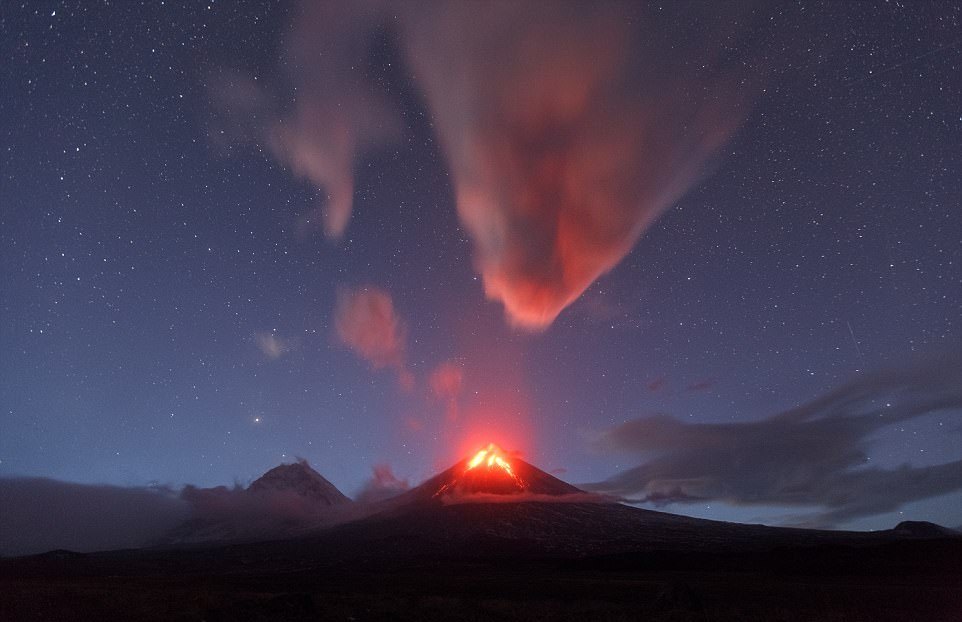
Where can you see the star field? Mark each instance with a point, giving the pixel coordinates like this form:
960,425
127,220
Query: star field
168,300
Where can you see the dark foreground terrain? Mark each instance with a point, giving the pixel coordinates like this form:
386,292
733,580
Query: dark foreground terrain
459,547
902,580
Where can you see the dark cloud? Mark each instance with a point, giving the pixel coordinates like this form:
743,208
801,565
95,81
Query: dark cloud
815,455
384,484
223,513
251,507
38,515
366,322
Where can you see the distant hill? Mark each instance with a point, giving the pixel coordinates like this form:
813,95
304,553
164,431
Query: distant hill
924,529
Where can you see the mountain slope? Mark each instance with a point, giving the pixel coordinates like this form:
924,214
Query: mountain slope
300,479
492,505
489,472
495,505
288,500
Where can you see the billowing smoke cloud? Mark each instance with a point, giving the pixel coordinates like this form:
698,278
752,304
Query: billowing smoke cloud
814,455
384,484
569,127
445,382
38,515
366,322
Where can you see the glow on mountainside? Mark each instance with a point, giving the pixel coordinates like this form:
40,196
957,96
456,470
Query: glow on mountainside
488,466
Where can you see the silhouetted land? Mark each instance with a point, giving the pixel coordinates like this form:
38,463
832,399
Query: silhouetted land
484,577
459,547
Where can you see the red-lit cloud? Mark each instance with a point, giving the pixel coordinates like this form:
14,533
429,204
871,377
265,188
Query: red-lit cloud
568,133
366,322
568,128
702,385
446,381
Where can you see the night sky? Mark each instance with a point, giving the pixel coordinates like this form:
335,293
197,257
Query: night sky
234,234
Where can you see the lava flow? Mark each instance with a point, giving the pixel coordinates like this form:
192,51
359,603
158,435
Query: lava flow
488,471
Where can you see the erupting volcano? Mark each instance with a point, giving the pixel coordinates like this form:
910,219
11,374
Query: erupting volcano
492,471
488,471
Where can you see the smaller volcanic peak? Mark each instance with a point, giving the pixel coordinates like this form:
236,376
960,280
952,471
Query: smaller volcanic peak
492,471
300,479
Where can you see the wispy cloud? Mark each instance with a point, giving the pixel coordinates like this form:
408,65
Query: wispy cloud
384,484
445,382
270,345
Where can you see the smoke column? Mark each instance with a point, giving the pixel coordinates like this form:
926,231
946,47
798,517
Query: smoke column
568,127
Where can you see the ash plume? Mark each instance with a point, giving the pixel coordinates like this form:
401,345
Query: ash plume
568,127
569,131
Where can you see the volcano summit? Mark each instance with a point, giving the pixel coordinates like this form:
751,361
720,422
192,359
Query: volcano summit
492,471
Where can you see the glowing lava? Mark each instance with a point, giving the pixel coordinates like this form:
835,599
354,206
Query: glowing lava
487,471
491,455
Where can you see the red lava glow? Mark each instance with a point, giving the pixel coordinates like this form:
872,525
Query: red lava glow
491,456
489,470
